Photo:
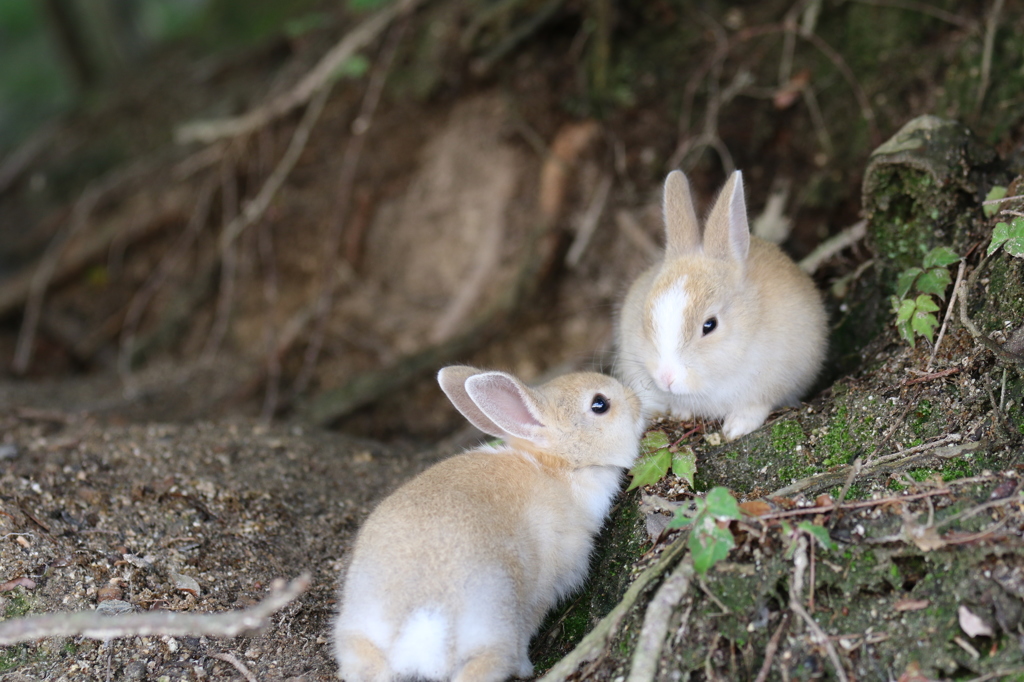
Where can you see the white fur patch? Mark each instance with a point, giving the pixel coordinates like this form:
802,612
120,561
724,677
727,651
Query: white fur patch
488,611
363,611
667,315
421,648
595,487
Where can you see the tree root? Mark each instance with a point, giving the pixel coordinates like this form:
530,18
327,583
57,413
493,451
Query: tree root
96,625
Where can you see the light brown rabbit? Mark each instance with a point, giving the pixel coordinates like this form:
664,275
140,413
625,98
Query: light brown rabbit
726,326
451,575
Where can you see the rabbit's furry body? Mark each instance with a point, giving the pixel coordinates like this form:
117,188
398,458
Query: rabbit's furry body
452,574
767,336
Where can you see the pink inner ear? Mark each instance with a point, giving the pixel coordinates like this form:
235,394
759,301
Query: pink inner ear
506,403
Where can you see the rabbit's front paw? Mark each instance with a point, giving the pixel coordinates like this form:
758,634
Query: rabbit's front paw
744,420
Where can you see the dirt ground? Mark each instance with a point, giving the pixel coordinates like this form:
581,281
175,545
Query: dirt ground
95,510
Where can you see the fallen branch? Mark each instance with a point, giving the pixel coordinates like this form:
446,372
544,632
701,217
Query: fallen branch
598,639
833,245
322,74
647,653
795,596
95,625
892,463
773,646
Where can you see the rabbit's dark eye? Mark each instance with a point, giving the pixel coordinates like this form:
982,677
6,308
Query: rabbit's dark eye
600,404
709,325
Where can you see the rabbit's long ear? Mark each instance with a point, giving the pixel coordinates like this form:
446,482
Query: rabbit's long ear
453,383
506,402
682,232
727,234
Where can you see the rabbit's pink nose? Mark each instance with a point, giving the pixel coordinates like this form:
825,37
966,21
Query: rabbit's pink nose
665,378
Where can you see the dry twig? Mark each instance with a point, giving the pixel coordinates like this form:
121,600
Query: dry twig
588,222
237,665
95,625
1001,355
315,81
647,653
830,247
945,319
773,646
346,181
47,266
168,264
795,592
991,26
255,208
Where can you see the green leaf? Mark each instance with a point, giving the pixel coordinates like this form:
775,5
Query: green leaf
684,464
997,192
1010,236
940,255
925,325
680,519
650,469
934,281
925,303
652,442
820,533
709,544
906,333
721,504
907,308
906,281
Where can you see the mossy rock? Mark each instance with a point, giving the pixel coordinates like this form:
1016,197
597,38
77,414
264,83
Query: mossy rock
921,189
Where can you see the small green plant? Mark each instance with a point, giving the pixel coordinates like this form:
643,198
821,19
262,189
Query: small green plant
657,456
994,195
819,533
710,538
915,315
1010,236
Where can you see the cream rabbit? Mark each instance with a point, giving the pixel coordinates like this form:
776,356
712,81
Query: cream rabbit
726,325
451,575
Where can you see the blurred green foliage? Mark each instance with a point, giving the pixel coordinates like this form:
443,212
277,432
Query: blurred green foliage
32,85
36,83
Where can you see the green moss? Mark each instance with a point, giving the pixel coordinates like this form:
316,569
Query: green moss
18,604
904,231
786,435
13,656
959,468
837,444
920,475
